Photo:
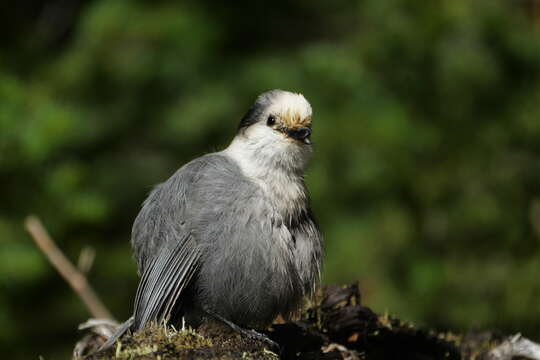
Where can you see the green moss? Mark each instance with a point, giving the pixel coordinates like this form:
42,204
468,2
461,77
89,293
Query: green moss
159,342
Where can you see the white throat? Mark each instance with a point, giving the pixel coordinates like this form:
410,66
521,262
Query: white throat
275,164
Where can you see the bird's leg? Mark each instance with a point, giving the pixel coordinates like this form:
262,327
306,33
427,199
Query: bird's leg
249,333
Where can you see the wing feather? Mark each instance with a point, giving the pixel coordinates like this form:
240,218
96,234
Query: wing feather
162,282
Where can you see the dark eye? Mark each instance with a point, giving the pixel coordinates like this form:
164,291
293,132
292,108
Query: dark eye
271,120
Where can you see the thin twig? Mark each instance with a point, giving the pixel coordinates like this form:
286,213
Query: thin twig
69,272
86,259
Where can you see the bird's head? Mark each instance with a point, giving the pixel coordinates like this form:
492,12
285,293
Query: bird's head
274,135
278,116
276,132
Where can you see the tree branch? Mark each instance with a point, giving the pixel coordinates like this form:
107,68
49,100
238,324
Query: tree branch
69,272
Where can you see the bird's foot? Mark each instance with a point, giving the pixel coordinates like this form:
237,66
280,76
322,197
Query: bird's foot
249,333
255,335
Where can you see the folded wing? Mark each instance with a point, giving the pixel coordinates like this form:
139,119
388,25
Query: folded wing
162,282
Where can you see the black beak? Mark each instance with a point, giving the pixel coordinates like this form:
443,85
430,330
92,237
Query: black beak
301,134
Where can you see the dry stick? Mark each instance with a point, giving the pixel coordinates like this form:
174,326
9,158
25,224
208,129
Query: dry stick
69,272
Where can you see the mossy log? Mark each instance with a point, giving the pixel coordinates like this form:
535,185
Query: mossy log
338,326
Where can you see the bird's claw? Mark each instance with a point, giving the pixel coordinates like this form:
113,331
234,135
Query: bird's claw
252,334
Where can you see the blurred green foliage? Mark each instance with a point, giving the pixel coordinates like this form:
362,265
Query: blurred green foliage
426,178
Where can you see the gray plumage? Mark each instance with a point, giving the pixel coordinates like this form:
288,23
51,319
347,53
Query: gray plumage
231,233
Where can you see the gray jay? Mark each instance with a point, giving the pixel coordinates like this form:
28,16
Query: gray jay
230,236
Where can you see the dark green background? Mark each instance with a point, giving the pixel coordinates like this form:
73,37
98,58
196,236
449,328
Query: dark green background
426,177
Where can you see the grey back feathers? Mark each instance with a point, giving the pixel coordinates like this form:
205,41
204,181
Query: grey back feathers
252,261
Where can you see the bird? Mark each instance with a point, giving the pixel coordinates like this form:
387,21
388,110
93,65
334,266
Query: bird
230,237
